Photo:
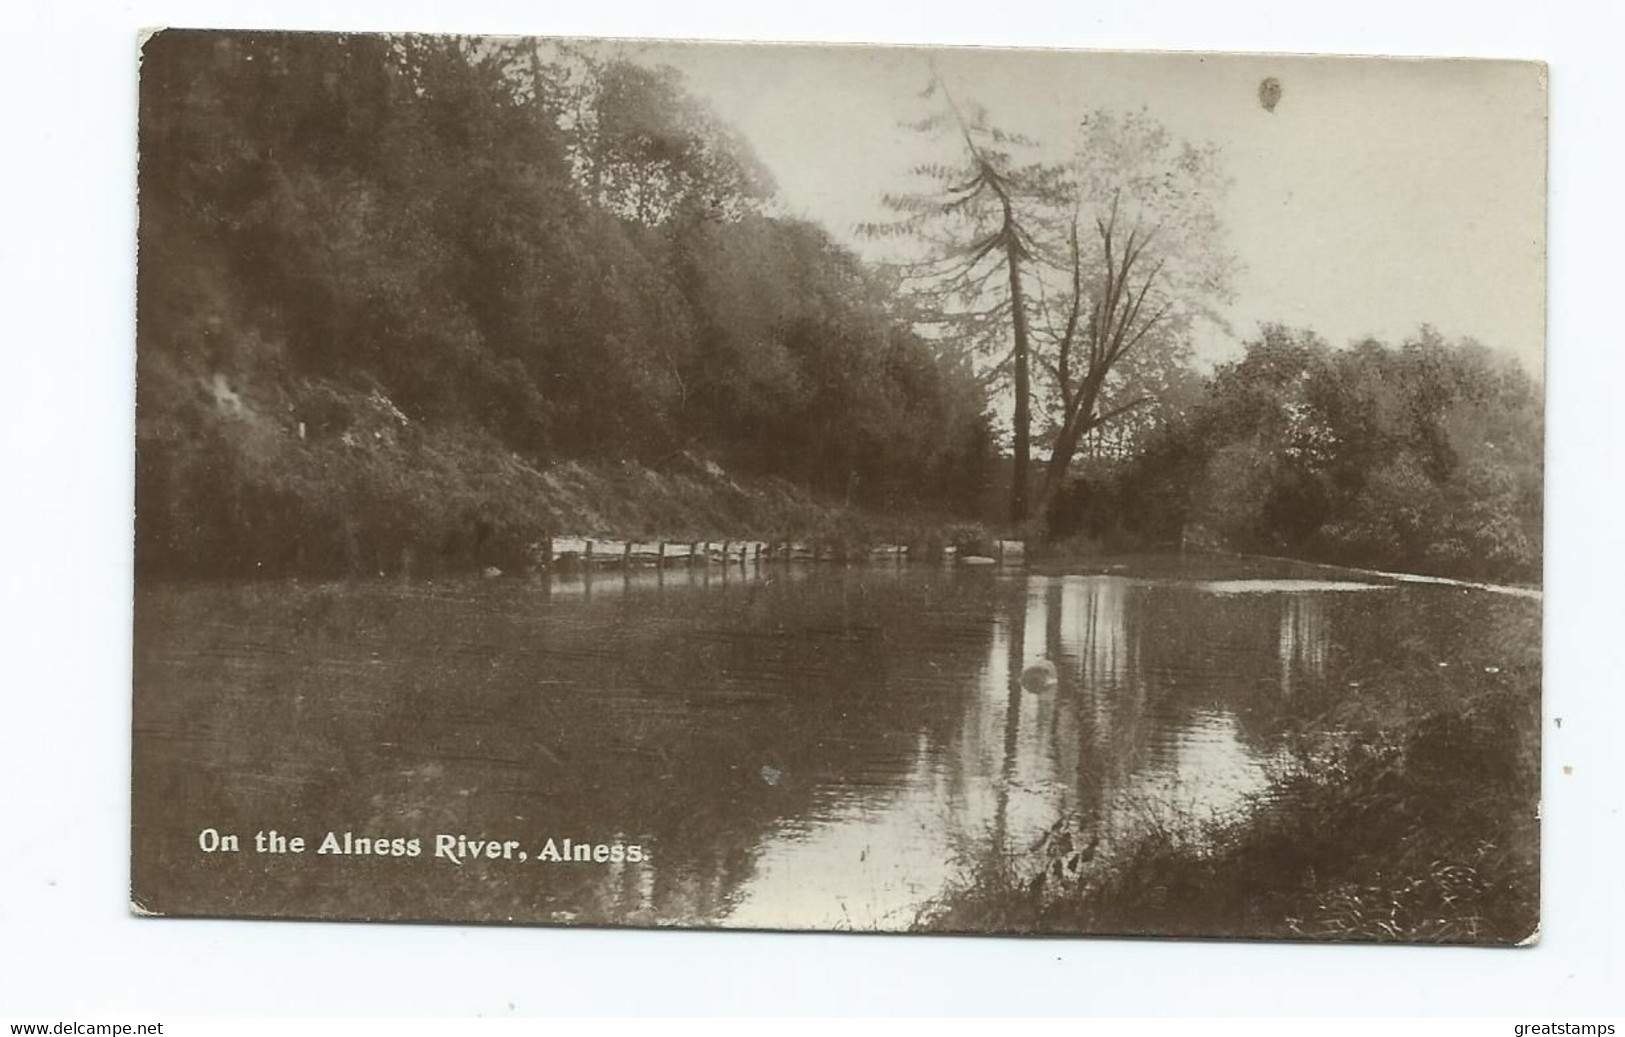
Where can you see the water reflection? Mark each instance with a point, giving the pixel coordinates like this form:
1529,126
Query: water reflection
1303,638
793,747
586,581
1112,742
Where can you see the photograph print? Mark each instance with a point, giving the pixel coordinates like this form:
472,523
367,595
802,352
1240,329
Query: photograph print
812,487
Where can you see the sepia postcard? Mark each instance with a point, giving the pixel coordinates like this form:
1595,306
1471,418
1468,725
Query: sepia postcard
657,484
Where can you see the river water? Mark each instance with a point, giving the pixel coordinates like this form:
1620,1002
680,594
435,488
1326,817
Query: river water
820,747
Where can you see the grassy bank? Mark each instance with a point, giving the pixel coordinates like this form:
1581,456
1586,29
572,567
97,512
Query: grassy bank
311,478
1407,810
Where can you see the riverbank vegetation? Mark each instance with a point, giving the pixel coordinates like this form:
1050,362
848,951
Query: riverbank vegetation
1425,457
395,291
1405,808
399,294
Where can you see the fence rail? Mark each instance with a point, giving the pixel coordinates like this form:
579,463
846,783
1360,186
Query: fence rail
608,552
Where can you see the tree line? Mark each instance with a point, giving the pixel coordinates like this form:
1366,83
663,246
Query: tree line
483,257
1422,457
562,255
1076,284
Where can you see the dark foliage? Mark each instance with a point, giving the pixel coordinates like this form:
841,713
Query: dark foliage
366,260
1406,811
1425,458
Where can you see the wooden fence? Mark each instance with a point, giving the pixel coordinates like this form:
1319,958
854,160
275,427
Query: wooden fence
599,551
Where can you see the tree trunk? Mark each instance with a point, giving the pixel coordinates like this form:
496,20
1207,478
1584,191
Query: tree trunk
1023,416
1066,444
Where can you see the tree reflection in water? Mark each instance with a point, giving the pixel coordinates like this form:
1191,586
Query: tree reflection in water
809,747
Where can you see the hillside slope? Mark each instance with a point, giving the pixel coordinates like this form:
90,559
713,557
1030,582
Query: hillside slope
316,478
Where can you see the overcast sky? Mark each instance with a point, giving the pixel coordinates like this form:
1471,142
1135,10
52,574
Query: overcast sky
1378,195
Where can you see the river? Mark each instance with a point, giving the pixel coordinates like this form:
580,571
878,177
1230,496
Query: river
818,746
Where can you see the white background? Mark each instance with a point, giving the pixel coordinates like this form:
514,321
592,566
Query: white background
68,948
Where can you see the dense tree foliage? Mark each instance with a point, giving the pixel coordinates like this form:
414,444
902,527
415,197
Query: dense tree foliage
388,284
1426,457
512,242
